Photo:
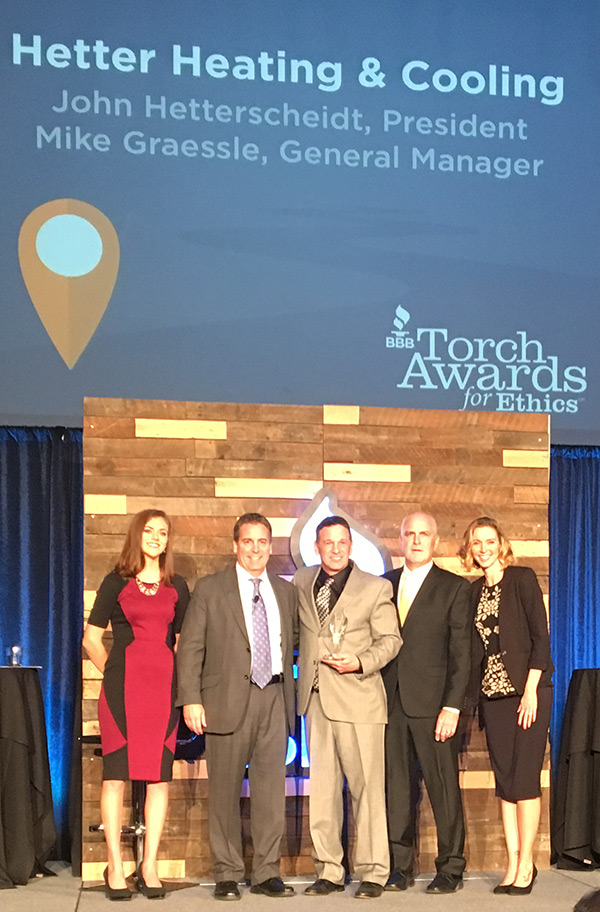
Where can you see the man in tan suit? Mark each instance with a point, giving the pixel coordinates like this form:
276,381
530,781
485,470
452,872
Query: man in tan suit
341,692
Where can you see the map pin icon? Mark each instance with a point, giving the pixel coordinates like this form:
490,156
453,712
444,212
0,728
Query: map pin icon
69,256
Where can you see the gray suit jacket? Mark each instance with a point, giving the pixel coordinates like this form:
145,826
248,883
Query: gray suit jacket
372,635
214,656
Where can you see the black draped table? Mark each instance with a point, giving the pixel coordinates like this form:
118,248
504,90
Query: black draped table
576,800
27,833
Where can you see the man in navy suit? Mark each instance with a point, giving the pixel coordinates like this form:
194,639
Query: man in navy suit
425,686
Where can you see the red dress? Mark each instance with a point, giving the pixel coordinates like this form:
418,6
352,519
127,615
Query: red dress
136,708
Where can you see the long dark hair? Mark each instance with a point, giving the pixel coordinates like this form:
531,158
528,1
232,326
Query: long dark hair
131,560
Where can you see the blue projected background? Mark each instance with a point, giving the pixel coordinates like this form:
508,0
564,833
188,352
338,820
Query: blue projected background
393,203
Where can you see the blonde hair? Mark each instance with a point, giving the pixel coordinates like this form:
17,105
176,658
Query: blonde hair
465,552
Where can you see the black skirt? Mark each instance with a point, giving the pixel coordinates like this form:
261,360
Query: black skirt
516,753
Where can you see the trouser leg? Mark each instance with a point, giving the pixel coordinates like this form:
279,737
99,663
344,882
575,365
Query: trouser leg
361,749
402,788
326,810
439,764
266,776
226,759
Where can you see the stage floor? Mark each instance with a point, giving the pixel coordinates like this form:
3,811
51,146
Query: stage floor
554,891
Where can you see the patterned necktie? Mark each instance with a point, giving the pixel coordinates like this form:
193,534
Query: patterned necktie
403,604
262,669
323,600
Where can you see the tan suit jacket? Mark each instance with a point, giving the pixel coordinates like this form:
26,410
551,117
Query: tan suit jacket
372,634
345,722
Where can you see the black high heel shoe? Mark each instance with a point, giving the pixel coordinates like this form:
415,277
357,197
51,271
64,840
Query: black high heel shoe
501,888
121,895
149,892
521,891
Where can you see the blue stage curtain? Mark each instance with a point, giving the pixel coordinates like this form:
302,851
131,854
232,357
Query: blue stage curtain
41,580
574,569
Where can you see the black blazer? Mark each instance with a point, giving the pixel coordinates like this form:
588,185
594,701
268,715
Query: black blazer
524,640
433,666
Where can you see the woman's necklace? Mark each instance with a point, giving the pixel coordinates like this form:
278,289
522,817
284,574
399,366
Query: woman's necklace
147,588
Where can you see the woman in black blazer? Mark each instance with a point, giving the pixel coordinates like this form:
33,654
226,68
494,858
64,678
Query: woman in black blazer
512,651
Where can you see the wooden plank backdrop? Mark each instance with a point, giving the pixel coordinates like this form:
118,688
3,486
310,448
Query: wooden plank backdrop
207,463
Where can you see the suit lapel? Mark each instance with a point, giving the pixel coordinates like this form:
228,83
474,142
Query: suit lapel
275,583
395,581
232,592
280,598
311,596
351,591
394,577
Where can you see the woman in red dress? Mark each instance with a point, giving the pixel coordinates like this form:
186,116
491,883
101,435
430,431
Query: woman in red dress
144,601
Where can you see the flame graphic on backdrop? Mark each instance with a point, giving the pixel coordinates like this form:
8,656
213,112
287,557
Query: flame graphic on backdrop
368,552
401,319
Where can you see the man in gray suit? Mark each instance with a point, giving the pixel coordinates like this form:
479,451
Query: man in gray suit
235,683
341,692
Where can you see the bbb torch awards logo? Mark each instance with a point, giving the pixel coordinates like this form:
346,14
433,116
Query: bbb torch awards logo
509,374
400,320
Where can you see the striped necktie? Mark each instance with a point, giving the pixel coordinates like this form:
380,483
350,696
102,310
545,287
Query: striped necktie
323,600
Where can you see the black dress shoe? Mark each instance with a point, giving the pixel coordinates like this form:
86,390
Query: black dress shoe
368,890
399,880
322,887
445,883
122,894
274,886
522,891
226,889
149,892
499,889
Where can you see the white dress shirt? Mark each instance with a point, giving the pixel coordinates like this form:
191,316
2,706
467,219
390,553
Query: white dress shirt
246,587
412,580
